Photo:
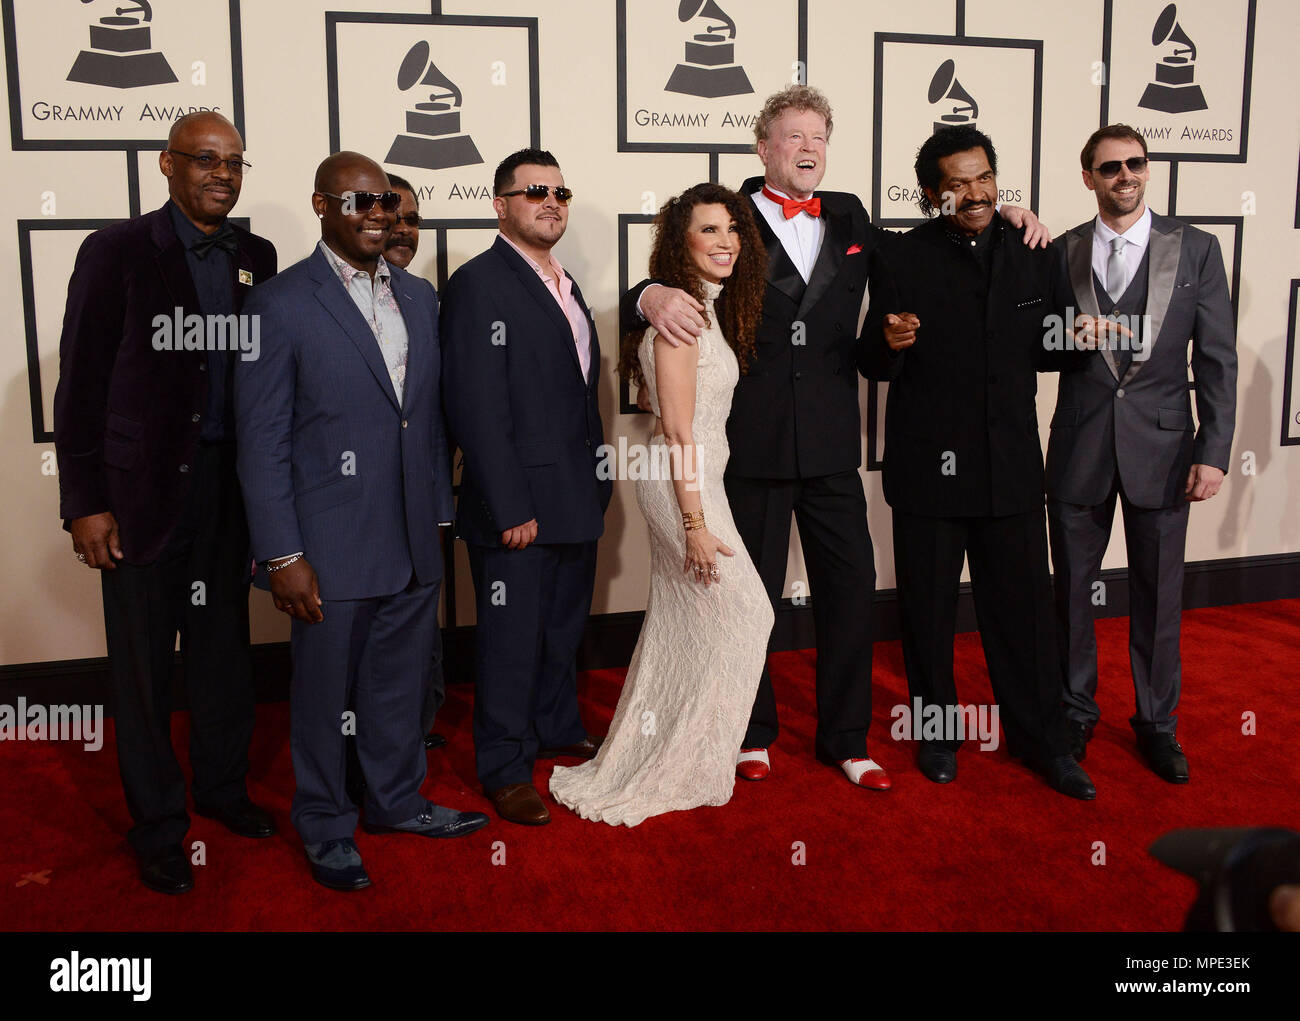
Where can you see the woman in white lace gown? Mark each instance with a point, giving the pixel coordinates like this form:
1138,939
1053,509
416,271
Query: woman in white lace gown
690,687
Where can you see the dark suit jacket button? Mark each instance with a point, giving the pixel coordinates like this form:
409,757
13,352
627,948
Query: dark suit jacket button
403,423
993,378
839,327
185,468
798,375
203,366
836,370
196,417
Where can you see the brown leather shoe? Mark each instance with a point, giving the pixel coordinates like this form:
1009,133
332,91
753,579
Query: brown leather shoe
520,802
584,749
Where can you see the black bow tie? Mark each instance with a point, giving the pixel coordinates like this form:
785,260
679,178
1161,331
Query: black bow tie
223,237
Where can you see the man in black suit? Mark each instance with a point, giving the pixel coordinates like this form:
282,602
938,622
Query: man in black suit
144,432
963,468
795,430
521,362
1123,430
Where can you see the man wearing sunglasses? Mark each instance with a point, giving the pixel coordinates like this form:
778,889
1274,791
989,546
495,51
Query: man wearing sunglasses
1123,430
343,461
144,433
522,362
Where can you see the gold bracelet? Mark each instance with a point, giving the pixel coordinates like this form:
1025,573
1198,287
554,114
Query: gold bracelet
692,520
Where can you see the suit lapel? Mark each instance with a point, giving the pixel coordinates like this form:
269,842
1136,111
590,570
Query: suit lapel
593,346
331,293
1078,250
834,244
243,260
781,270
1162,272
419,341
170,259
541,294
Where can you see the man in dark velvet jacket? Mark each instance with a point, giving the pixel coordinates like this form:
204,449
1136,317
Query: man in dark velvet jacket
143,430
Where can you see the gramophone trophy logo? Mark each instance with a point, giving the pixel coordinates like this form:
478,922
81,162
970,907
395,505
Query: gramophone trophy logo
709,68
1180,74
435,141
934,83
722,57
120,54
1174,89
947,93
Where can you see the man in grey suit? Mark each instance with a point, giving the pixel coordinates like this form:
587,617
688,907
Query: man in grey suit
1123,428
343,463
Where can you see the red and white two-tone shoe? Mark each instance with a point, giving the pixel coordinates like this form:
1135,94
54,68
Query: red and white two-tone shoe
866,773
753,764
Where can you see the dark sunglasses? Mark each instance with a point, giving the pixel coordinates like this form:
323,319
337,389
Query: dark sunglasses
206,162
410,219
538,193
364,201
1109,169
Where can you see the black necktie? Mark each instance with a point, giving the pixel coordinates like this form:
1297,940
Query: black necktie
223,237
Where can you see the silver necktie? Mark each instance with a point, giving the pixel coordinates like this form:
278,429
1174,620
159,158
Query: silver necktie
1116,270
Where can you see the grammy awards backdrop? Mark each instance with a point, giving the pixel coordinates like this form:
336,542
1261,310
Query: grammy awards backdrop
639,99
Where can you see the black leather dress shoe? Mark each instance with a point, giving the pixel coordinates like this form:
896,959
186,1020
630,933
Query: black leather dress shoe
584,749
337,865
241,817
1067,776
168,873
436,821
937,763
1165,756
432,740
1080,735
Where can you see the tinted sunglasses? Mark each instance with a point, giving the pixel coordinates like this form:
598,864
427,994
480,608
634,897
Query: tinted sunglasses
410,219
538,193
1109,169
364,201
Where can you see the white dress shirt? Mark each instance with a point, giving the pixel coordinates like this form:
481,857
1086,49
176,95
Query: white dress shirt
801,236
1137,237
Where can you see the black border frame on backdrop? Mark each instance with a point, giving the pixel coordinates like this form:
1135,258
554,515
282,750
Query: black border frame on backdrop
21,144
620,42
1107,30
626,406
26,271
1289,406
980,42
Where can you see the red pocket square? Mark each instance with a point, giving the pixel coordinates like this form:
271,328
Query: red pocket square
853,250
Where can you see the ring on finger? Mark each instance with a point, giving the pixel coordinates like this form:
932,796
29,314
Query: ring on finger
81,557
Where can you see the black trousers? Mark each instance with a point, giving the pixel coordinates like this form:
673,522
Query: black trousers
532,608
198,587
832,515
1012,590
1156,541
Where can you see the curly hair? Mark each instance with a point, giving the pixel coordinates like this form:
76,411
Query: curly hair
792,97
671,264
945,142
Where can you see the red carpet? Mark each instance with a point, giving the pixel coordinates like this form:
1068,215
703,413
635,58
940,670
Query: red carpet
997,849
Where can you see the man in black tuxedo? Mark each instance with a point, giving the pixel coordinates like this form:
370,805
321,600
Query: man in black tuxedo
1123,431
144,432
795,430
521,363
963,467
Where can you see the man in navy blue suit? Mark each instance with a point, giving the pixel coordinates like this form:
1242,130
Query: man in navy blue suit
521,364
344,467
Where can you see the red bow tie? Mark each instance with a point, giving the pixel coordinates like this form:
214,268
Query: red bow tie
791,208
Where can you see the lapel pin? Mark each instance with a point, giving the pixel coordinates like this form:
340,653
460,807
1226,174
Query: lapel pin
246,277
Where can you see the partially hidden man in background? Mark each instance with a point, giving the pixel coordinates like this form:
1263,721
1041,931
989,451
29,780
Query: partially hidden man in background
344,467
144,432
1123,430
521,368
